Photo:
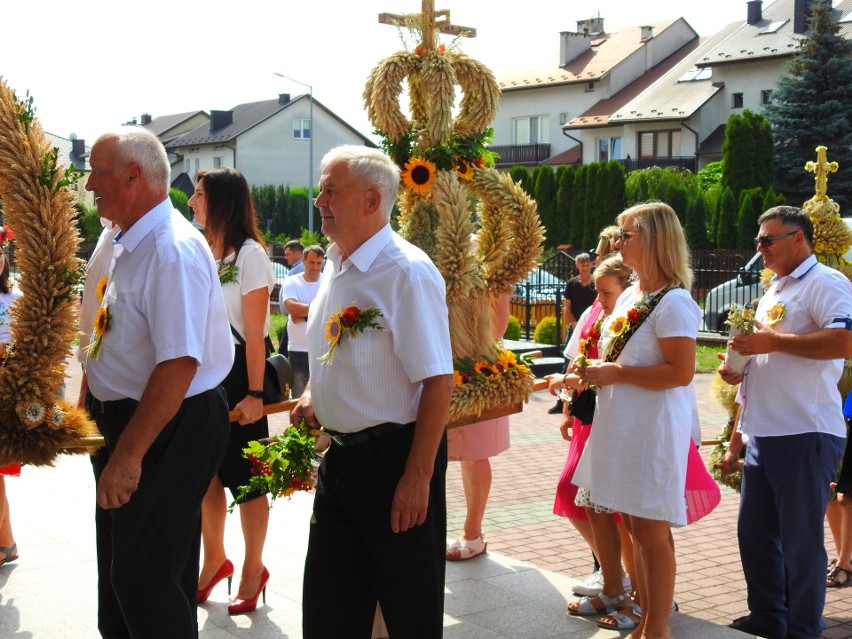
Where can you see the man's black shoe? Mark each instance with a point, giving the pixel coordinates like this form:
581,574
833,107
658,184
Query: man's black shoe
555,410
751,627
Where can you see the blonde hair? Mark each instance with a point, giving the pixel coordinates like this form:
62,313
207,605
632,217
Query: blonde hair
607,239
666,255
614,266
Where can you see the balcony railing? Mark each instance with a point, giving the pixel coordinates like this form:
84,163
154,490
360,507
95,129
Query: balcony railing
679,162
522,154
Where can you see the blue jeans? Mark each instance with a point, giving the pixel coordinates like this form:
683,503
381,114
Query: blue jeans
785,491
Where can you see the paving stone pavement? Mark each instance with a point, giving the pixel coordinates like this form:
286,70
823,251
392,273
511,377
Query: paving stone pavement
518,590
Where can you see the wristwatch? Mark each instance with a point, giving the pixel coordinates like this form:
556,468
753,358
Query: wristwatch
255,393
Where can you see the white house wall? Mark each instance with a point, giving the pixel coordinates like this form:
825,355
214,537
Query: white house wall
749,78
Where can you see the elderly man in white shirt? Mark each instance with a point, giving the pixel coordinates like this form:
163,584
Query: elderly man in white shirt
162,346
379,525
796,432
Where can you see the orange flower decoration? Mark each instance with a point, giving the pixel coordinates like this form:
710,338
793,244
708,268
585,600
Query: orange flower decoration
101,288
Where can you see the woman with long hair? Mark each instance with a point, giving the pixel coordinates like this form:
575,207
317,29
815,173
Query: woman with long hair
222,205
635,460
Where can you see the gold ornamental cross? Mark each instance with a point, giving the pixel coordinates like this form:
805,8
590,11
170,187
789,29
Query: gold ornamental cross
822,167
428,22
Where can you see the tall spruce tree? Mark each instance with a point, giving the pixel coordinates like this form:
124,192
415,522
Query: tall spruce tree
593,192
695,228
578,206
564,197
811,106
751,201
545,197
726,231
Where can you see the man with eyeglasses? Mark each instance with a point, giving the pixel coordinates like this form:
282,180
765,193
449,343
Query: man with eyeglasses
796,432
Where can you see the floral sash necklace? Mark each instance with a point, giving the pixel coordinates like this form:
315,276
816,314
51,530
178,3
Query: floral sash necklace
625,327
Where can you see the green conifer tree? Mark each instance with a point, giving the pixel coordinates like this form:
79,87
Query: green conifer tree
726,232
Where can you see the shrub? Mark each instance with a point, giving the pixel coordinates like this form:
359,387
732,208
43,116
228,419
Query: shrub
513,329
545,331
181,202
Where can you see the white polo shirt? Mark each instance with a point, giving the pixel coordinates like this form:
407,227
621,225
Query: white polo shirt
165,302
785,394
376,375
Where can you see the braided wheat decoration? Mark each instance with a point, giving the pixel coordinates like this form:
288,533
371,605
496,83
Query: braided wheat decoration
447,175
34,425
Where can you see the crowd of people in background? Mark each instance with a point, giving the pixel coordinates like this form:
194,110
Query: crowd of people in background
187,340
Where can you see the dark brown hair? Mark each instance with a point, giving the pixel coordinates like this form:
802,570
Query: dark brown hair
230,211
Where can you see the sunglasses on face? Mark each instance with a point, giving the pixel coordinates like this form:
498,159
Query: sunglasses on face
765,241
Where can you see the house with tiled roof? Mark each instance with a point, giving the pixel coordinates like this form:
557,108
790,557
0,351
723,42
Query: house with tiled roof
593,66
679,120
73,152
269,141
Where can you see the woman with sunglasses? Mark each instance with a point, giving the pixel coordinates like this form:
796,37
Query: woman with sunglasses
635,460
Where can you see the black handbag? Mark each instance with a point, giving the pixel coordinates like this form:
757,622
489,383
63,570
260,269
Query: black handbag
277,374
582,404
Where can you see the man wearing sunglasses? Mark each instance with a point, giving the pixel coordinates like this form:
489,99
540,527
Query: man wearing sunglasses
792,414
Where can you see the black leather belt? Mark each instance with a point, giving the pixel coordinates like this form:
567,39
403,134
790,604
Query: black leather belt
97,407
374,432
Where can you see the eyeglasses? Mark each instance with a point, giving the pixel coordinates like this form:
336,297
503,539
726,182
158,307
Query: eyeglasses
765,241
625,235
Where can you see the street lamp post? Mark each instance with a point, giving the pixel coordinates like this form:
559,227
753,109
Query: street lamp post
310,149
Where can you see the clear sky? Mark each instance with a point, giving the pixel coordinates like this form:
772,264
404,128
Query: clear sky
95,64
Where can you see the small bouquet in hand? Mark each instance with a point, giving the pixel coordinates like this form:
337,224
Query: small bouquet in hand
281,465
741,322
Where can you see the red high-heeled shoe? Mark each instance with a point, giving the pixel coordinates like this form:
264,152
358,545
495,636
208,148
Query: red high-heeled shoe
239,606
226,571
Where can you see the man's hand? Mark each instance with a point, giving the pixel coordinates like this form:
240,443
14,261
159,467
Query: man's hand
726,373
757,343
118,481
730,462
304,409
410,502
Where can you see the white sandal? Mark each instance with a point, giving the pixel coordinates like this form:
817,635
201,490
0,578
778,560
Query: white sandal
463,549
585,607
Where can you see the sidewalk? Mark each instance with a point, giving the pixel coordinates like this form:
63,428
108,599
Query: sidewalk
518,590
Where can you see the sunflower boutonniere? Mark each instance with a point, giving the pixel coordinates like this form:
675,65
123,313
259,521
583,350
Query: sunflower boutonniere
351,320
775,314
102,321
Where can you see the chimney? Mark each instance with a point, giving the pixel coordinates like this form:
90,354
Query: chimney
572,46
283,98
755,11
146,119
801,15
591,26
646,33
219,119
78,147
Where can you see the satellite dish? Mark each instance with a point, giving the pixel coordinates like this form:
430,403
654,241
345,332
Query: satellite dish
72,136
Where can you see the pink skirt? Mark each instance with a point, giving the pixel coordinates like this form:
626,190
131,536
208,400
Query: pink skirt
478,441
566,491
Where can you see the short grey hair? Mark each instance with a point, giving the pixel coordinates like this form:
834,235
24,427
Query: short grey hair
582,257
371,166
135,144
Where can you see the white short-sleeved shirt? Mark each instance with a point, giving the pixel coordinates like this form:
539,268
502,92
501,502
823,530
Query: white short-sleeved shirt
815,297
635,459
297,288
376,375
254,271
572,348
165,302
6,300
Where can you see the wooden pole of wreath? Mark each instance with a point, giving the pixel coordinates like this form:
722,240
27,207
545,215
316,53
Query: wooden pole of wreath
35,425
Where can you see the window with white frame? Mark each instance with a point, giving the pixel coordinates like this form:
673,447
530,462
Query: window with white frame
564,118
197,164
301,129
218,161
766,96
609,149
532,130
659,144
188,167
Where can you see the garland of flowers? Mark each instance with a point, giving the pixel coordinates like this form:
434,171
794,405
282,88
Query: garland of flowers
485,383
623,326
35,425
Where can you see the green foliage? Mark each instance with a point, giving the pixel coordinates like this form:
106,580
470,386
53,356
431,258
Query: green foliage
592,193
181,202
726,231
695,226
578,206
471,148
309,238
772,199
522,176
811,107
545,197
25,110
282,210
747,152
670,185
545,331
710,175
564,195
89,225
513,329
751,201
611,198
